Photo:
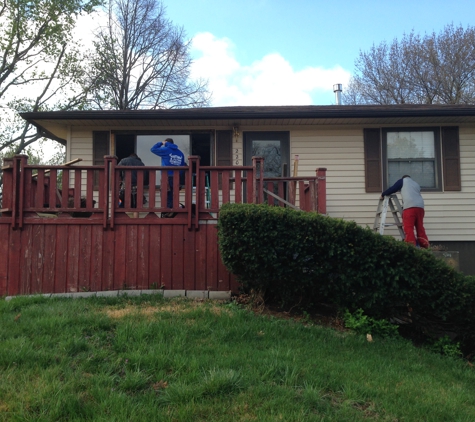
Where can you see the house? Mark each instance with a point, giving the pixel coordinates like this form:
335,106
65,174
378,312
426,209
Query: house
364,149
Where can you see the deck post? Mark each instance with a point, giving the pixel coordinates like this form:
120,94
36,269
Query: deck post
258,180
7,189
19,163
194,168
109,188
322,190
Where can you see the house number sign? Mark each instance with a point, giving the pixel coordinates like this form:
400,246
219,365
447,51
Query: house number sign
236,156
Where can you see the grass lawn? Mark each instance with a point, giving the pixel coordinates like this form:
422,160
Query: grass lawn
155,359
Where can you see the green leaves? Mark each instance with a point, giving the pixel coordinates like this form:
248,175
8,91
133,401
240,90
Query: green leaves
306,258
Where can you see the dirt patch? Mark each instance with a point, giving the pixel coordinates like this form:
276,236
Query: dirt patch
177,306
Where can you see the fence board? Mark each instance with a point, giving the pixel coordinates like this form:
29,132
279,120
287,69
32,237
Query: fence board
97,240
49,270
189,263
166,257
131,257
85,257
25,259
37,257
178,257
212,257
108,260
200,258
143,241
120,257
155,257
4,250
14,254
73,259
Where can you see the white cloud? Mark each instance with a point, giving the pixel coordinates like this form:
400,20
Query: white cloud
268,81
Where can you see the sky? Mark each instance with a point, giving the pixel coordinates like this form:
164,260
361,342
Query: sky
292,52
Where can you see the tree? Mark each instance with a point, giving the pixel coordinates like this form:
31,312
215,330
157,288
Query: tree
38,67
142,60
432,69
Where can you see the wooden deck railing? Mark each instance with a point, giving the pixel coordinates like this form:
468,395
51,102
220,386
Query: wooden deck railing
90,194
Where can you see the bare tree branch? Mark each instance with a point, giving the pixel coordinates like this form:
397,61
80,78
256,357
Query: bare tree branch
142,61
433,69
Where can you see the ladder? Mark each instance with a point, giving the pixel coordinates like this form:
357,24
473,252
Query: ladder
395,207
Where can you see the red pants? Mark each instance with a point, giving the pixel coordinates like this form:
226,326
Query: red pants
414,218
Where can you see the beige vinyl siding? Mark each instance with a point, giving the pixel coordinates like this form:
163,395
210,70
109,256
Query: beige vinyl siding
81,144
450,216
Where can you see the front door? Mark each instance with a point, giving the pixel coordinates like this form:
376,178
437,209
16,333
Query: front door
273,146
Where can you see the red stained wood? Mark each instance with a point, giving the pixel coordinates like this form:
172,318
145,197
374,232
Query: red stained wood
120,248
37,257
25,260
189,263
97,241
155,257
85,257
57,258
200,258
131,256
211,257
73,259
178,261
49,269
62,259
108,260
14,254
110,250
166,257
4,243
143,239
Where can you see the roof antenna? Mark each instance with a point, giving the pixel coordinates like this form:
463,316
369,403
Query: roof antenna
337,88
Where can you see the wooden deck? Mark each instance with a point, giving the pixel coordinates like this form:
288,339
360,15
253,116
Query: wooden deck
63,230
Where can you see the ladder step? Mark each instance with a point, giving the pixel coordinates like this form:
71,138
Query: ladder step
395,209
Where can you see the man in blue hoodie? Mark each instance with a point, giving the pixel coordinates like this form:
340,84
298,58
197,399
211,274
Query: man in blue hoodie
413,210
171,156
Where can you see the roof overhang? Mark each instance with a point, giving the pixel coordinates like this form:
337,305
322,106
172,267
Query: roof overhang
256,115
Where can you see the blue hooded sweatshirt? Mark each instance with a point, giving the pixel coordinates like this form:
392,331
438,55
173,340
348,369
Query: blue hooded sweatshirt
170,154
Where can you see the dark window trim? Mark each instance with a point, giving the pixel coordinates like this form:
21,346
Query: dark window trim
437,149
162,132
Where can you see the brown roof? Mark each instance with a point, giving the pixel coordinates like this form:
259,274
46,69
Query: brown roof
263,112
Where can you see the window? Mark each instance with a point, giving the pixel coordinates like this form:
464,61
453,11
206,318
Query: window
430,155
414,152
190,143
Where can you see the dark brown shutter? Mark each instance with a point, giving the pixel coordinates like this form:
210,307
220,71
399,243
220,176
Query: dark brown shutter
372,157
224,144
451,158
224,151
100,147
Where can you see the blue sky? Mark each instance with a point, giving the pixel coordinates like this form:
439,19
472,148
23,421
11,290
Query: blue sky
289,52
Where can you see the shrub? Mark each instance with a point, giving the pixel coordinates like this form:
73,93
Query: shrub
296,257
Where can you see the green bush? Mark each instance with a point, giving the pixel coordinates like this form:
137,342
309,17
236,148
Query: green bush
296,257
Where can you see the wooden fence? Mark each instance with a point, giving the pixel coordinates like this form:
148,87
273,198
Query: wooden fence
63,228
